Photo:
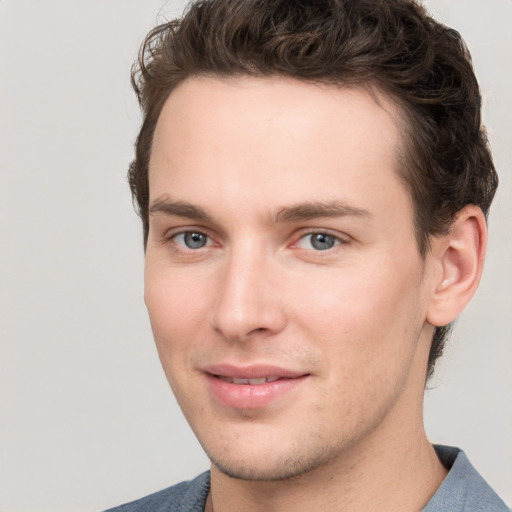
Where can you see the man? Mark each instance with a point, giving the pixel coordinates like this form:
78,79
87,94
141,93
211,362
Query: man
313,181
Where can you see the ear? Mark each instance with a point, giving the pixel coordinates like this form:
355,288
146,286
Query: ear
459,260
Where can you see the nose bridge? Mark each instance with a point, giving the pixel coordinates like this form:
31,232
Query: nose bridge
247,300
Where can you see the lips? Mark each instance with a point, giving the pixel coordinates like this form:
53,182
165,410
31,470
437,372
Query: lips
251,387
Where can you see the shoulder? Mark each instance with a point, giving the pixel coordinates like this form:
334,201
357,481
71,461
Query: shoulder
464,489
187,496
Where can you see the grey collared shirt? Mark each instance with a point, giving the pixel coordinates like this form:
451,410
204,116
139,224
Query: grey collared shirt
463,489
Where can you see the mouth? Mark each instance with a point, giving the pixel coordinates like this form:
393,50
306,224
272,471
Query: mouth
252,387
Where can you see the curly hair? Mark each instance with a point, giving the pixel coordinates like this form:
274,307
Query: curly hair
392,45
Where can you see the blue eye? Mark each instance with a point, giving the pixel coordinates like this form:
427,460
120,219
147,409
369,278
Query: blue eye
191,239
318,241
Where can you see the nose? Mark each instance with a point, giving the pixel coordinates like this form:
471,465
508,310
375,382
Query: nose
248,302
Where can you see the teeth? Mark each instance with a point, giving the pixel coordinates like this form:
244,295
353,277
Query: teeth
241,381
261,380
252,382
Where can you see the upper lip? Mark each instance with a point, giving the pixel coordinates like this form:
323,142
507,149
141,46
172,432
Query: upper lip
252,371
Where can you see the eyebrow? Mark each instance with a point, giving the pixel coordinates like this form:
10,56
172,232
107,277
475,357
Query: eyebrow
314,210
178,209
292,213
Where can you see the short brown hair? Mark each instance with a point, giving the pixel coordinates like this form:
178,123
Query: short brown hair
393,45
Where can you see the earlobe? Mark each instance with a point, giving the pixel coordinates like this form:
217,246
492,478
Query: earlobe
460,256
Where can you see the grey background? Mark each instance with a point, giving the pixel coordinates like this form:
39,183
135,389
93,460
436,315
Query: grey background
86,417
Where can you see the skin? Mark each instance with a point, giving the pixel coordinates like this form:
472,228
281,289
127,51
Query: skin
232,159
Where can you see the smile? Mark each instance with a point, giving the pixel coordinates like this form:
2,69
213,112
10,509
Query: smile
253,387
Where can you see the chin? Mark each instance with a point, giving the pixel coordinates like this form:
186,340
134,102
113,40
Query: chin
273,466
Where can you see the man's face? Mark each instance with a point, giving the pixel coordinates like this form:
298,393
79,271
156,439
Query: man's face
285,289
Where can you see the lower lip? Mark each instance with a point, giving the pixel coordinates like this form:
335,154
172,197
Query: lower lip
247,396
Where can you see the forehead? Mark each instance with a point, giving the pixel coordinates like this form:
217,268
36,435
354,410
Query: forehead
275,138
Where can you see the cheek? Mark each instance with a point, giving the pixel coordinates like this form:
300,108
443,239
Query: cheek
366,331
364,316
175,316
353,300
175,310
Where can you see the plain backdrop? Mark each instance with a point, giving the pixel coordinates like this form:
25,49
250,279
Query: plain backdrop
86,417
